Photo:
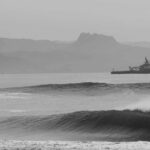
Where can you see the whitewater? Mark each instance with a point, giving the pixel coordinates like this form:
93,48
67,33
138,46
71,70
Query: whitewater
69,145
74,111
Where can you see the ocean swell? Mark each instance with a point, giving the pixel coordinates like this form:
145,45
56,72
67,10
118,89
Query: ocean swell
94,125
85,88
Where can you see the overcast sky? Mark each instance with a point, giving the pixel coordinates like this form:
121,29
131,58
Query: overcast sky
126,20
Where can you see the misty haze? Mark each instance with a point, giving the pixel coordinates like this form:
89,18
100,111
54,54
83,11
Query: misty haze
74,74
89,53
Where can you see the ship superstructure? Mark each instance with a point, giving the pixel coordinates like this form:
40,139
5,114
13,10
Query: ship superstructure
142,69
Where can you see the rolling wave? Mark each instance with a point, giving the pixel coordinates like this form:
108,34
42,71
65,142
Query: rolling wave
83,88
90,125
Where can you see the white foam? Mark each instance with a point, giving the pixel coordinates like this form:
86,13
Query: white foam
143,104
17,111
68,145
7,95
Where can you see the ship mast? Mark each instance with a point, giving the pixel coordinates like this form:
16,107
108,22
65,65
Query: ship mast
146,61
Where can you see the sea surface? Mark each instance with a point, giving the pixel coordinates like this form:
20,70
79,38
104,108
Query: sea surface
82,111
37,95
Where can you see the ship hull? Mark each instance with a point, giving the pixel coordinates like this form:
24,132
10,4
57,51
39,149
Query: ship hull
130,72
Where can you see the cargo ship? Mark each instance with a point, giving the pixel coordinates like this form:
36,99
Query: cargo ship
142,69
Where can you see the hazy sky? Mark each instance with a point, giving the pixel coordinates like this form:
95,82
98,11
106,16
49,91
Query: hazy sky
65,19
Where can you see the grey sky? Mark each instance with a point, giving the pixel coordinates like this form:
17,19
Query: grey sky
127,20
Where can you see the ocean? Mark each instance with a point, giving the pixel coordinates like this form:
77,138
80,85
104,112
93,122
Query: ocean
82,111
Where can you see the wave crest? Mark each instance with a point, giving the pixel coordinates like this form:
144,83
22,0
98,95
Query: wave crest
82,87
119,125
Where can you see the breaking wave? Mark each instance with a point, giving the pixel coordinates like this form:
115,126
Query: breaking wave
110,125
86,125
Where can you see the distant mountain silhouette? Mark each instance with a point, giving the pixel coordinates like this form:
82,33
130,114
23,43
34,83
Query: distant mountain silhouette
89,53
87,38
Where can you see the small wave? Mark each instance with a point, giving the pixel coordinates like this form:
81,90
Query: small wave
82,88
